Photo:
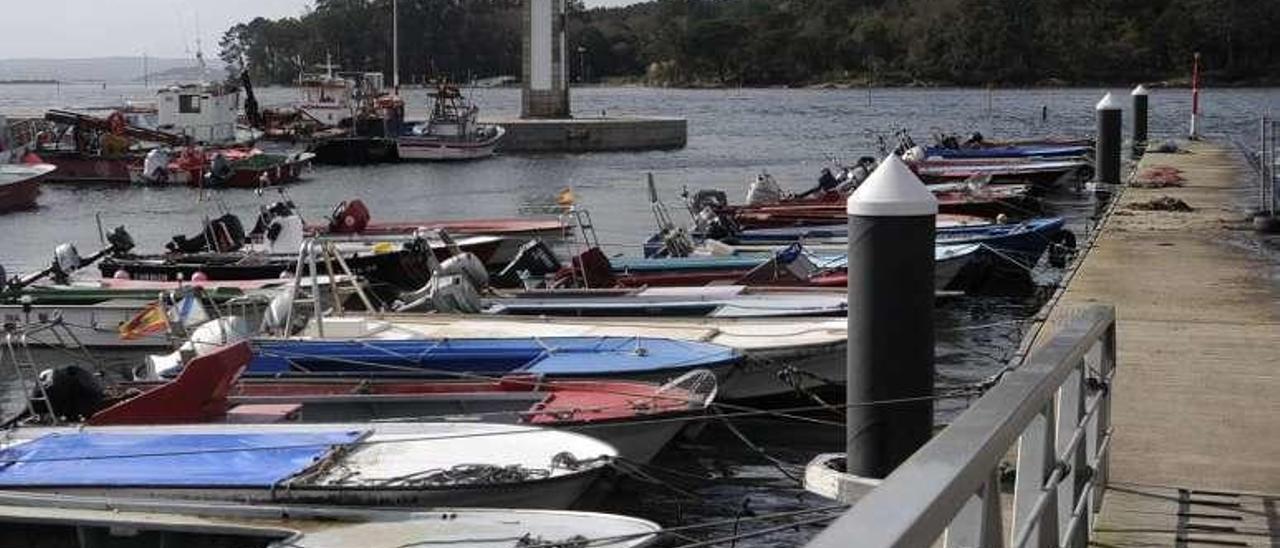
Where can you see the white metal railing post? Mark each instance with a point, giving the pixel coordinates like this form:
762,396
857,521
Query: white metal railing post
979,524
1036,463
1071,408
1106,365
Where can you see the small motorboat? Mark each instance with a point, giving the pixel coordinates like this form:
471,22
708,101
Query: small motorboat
39,519
223,251
379,464
779,356
20,185
719,301
752,265
1024,241
1041,173
236,167
959,199
637,418
451,133
352,217
635,358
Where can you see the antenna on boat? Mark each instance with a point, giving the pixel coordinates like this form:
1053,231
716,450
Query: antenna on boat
395,46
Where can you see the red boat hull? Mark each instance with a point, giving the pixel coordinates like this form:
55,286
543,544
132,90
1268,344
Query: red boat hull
74,167
541,228
20,195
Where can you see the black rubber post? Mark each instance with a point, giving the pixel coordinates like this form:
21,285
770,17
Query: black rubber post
1107,156
1140,105
891,298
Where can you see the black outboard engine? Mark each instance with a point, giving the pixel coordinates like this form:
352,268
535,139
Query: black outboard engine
120,240
975,139
224,234
219,170
265,225
74,393
533,259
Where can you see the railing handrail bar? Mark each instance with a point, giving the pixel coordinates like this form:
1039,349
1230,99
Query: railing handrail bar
914,505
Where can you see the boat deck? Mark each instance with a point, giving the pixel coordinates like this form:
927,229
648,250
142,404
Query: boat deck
1196,456
314,527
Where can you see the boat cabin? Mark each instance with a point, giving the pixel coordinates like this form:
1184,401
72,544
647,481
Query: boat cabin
205,112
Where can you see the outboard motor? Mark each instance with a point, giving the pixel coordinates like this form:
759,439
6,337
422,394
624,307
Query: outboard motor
763,191
466,265
975,139
65,261
74,393
224,234
155,168
789,266
219,170
280,227
451,294
349,217
533,258
120,240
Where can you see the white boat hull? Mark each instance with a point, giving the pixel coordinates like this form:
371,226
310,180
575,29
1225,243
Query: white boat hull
552,494
95,326
814,348
434,149
43,520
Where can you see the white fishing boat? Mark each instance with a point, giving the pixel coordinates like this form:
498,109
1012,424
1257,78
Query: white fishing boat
29,519
718,301
780,354
451,133
381,464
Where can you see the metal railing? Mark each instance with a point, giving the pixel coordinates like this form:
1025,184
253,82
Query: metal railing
1056,408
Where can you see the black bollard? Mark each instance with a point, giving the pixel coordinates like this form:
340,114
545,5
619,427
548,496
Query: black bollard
1107,157
1140,104
891,294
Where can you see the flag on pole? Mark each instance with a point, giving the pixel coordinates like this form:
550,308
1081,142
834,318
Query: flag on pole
188,312
149,321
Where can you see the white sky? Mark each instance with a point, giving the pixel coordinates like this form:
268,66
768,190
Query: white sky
159,28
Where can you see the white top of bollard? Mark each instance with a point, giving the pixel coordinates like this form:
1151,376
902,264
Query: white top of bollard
892,190
1140,90
1108,103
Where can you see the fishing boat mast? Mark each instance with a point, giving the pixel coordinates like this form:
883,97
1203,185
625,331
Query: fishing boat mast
395,47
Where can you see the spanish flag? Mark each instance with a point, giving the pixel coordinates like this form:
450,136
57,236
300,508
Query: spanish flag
566,197
149,321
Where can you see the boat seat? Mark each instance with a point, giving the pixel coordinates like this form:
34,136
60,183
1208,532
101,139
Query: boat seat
257,413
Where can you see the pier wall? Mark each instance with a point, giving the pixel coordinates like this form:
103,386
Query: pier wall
592,134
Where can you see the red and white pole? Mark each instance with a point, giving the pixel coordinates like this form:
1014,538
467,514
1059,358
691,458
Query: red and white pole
1195,97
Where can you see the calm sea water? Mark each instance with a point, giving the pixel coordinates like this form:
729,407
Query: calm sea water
733,135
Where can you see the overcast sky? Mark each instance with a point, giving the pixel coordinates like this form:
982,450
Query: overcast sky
159,28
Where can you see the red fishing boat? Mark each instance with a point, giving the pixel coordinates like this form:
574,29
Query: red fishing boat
353,217
638,418
20,185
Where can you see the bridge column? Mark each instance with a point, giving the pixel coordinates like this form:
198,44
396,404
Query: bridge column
545,81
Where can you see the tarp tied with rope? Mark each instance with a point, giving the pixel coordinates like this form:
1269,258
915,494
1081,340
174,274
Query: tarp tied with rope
166,460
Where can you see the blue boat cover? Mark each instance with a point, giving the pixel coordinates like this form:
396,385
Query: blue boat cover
453,358
103,459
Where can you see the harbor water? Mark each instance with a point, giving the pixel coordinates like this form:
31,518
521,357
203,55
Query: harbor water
737,467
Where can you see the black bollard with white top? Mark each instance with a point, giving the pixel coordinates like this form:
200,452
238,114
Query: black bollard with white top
1107,157
891,297
1140,105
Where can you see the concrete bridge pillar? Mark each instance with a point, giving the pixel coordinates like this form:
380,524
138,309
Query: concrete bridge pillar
545,81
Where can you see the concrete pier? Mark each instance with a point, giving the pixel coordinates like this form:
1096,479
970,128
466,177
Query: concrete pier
591,134
1196,407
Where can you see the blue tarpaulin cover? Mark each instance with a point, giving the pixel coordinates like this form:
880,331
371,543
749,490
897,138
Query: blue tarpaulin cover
171,460
446,358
